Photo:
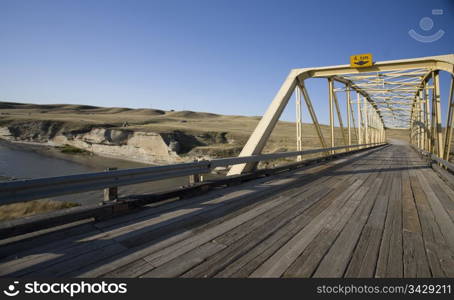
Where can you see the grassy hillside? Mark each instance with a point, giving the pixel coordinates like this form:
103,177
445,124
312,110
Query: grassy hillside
233,131
222,135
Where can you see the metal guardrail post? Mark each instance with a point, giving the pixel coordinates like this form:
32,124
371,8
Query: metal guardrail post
194,178
110,193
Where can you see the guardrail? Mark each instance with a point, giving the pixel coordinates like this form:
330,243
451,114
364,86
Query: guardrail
449,166
109,209
25,190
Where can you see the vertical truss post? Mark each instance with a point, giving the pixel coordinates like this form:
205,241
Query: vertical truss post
311,110
421,121
439,129
299,126
339,116
352,114
413,127
372,125
433,123
417,123
411,130
449,122
358,103
348,115
420,127
427,119
382,133
331,112
375,127
366,121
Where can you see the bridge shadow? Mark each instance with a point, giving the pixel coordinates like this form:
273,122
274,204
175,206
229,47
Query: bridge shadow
378,170
77,254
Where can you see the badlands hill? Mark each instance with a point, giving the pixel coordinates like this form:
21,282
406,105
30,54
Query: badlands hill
147,135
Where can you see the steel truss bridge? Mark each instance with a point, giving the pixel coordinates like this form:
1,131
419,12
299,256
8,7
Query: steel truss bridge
370,207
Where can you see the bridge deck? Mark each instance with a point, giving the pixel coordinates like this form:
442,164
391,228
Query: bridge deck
378,213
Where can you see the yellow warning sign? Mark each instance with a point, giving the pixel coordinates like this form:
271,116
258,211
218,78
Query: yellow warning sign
361,60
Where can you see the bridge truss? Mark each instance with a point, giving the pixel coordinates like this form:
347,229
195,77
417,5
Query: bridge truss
401,94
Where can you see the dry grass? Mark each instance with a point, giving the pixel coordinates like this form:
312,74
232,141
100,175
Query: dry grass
23,209
398,134
237,128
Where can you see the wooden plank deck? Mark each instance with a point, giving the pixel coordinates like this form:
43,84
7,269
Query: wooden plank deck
378,213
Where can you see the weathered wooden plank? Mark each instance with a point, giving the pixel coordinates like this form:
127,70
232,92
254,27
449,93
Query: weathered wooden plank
155,260
308,193
169,253
389,262
311,260
186,261
238,249
69,267
249,262
19,246
364,258
443,193
414,257
338,256
438,255
36,262
276,265
442,217
130,270
263,217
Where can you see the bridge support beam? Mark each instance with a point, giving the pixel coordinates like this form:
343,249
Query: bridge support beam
331,112
312,113
427,114
366,121
436,99
358,104
299,125
258,139
339,115
352,114
422,124
348,115
449,122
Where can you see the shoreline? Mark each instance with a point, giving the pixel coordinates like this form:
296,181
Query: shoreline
50,150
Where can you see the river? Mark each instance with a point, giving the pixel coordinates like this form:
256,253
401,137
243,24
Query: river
24,161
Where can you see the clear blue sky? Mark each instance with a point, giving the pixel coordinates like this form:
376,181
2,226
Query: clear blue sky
226,57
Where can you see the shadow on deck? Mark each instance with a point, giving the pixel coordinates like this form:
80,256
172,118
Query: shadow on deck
378,213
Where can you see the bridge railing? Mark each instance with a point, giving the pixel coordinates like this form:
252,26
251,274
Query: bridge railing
433,158
32,189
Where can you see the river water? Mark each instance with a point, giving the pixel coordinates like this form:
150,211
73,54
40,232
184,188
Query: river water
19,161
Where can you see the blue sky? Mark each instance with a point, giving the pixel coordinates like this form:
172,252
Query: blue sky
226,57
